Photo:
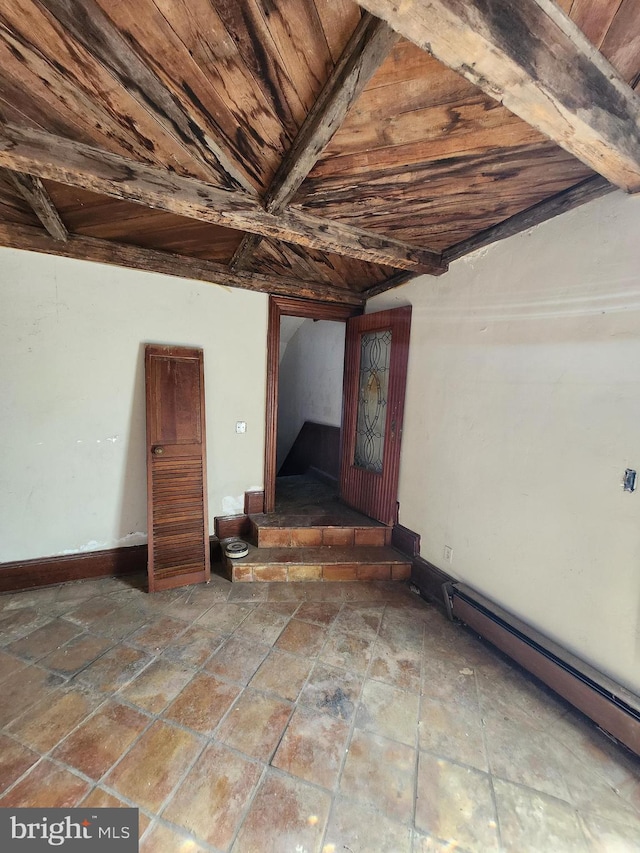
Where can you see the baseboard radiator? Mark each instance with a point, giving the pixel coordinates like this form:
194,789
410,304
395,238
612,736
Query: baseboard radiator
611,706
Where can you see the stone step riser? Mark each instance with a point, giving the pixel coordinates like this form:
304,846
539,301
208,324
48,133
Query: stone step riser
313,537
236,571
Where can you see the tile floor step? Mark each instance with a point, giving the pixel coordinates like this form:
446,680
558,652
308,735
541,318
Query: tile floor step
299,533
323,563
333,515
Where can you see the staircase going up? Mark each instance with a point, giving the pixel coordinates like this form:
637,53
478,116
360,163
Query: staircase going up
299,548
313,536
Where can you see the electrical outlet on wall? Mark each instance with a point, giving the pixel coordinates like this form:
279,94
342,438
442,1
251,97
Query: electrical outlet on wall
241,426
448,553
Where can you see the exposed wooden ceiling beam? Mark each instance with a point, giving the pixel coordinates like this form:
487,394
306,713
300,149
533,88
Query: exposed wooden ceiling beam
89,25
34,193
364,53
244,253
530,56
580,194
587,190
388,284
151,260
51,157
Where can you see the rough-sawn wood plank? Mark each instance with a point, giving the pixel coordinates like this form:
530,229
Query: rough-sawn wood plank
150,260
72,163
532,57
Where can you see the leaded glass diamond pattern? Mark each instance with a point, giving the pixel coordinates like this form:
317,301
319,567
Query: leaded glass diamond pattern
375,354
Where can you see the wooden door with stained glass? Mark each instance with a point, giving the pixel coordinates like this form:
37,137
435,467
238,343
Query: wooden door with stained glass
376,356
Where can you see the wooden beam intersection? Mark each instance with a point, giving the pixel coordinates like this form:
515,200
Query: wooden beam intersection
530,56
364,53
76,164
150,260
34,193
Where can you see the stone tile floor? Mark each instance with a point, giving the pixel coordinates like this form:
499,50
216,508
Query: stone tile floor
297,717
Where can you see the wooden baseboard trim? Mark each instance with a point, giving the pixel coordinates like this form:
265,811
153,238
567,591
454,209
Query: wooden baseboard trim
254,502
405,540
112,562
431,581
323,476
316,448
232,525
27,574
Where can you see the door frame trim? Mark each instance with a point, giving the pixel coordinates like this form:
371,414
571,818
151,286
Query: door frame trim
288,306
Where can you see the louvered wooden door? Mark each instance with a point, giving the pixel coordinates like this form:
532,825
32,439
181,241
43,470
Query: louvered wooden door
375,375
176,467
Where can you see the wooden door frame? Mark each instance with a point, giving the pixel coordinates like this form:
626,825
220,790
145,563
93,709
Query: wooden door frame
287,306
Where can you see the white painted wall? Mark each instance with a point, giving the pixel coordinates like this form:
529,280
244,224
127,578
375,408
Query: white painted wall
310,383
72,429
523,410
288,327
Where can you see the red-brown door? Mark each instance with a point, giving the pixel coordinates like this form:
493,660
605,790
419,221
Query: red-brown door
176,467
375,372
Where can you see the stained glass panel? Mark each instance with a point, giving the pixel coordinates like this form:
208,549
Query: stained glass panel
375,352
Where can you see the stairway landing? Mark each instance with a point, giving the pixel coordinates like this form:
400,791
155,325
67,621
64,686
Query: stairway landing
313,537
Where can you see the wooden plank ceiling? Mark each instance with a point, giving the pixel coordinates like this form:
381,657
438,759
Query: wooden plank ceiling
308,147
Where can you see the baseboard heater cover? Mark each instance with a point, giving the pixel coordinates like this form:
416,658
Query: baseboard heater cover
611,706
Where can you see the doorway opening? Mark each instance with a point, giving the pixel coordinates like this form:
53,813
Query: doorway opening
375,373
299,332
311,369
